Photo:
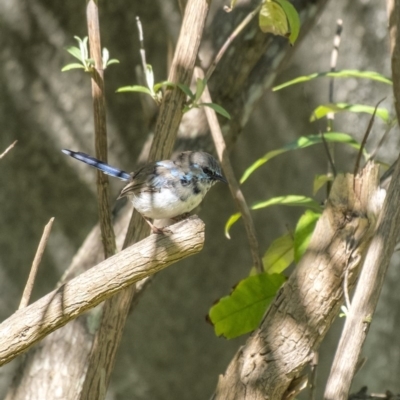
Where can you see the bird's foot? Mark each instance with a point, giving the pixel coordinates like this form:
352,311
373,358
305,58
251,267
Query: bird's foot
154,229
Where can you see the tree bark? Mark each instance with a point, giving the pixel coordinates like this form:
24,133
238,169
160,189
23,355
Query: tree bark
304,309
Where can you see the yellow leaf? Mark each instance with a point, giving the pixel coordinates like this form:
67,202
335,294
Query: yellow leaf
273,19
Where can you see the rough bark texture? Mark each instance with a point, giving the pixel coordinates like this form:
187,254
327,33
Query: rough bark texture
31,324
306,306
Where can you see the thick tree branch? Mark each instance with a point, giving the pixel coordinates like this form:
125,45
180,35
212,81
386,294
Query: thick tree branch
377,259
307,304
30,324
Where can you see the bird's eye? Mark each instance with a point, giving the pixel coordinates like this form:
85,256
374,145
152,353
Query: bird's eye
208,171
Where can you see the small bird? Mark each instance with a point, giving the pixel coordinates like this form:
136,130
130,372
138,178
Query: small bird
164,189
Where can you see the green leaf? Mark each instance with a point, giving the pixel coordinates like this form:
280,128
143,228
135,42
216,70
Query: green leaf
149,77
320,181
72,66
304,230
112,61
325,109
241,312
232,219
279,255
135,88
74,51
301,143
200,86
293,19
346,73
291,200
217,108
185,89
159,85
272,19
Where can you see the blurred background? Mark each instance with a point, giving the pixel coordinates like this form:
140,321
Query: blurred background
168,350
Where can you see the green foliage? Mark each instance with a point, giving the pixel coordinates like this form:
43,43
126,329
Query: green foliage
291,200
242,310
346,73
320,180
304,230
280,254
195,97
301,143
280,18
155,91
324,109
82,54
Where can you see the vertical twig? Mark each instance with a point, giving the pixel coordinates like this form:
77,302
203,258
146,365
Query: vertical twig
141,42
331,116
237,194
100,129
35,265
313,376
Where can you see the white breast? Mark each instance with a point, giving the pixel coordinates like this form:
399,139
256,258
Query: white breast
164,204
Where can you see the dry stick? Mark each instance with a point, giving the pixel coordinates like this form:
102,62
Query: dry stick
35,265
331,116
234,187
141,42
365,138
313,376
31,324
8,149
377,259
116,310
100,128
230,39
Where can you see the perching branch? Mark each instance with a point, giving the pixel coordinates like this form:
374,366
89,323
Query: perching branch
115,312
30,324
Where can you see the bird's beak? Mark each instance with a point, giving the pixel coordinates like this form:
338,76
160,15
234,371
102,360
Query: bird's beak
220,178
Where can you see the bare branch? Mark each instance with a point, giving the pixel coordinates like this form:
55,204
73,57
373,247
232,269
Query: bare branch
8,149
30,324
35,265
234,187
100,127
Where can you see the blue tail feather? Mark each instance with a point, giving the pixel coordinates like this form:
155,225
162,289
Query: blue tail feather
102,166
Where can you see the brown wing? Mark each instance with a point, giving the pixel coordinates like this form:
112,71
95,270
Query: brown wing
150,178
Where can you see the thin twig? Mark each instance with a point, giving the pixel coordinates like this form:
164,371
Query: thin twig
100,127
346,289
234,187
383,139
230,39
35,265
330,148
141,41
364,141
8,149
329,155
313,376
